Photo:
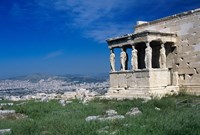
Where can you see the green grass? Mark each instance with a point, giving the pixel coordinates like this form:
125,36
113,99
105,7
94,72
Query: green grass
53,119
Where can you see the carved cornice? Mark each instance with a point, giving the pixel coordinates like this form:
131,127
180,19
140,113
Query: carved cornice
169,18
145,36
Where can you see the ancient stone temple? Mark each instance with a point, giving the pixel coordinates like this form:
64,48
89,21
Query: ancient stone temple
164,58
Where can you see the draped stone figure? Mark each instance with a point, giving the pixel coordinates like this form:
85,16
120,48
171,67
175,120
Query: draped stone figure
162,59
148,56
134,59
112,60
123,58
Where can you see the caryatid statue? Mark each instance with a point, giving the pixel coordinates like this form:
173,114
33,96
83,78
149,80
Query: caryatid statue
134,59
162,59
112,60
148,56
123,58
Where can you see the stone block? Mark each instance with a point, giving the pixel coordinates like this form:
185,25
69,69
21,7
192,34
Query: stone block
159,78
5,131
186,71
114,80
131,80
122,82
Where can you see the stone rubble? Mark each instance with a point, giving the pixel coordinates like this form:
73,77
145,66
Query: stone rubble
126,125
114,132
113,115
6,104
85,96
68,102
68,95
45,99
158,109
22,103
5,131
109,116
103,130
62,102
133,112
6,112
111,112
92,118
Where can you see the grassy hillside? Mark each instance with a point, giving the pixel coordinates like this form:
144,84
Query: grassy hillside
53,119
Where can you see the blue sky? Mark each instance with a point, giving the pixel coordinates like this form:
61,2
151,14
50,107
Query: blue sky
68,36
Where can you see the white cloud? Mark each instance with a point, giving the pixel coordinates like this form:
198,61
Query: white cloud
102,33
97,19
53,54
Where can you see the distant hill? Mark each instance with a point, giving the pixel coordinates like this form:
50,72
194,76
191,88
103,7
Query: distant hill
68,77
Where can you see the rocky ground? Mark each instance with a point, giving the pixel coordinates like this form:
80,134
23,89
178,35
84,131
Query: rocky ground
170,115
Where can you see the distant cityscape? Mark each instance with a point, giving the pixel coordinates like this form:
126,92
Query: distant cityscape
29,85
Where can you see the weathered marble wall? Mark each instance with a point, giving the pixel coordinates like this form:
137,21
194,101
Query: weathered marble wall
140,79
186,57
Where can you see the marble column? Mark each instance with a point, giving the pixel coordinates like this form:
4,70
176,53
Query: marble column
134,59
148,56
123,59
162,59
112,60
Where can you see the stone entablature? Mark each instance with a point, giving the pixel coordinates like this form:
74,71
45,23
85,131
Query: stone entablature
145,36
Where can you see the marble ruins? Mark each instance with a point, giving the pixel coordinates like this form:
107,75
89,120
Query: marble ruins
164,58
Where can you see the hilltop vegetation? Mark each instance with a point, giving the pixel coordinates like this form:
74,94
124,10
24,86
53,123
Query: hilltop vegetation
163,117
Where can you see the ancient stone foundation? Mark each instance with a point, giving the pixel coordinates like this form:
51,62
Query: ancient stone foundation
165,56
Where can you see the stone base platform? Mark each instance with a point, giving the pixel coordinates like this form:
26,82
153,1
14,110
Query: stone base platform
142,83
144,93
191,89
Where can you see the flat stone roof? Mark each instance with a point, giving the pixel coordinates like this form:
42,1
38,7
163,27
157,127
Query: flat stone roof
170,17
140,34
141,37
